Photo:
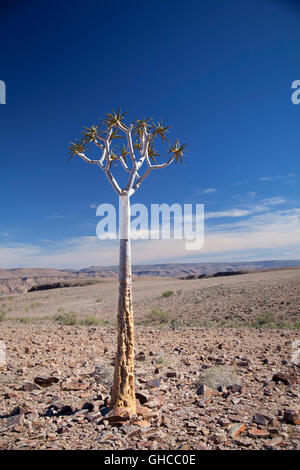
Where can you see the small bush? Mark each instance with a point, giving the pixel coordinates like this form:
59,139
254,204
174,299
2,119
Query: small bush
104,374
2,314
98,300
160,358
267,319
66,318
219,376
89,321
24,320
156,316
175,323
167,293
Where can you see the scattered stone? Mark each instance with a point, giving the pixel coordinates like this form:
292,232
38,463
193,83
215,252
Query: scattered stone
88,406
236,388
236,429
45,381
260,419
205,391
154,383
255,432
143,397
171,374
66,410
275,442
140,356
75,385
291,417
284,378
29,387
15,421
117,416
145,412
105,436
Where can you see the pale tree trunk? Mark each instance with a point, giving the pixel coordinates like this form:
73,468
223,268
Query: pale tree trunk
123,393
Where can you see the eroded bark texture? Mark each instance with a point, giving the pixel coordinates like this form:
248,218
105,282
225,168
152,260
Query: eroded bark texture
123,394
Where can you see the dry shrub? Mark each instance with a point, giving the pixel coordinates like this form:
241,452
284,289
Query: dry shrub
219,376
103,374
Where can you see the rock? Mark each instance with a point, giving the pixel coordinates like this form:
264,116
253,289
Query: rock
171,374
154,383
75,385
143,424
236,418
260,419
236,429
224,422
88,406
156,402
66,410
62,429
117,416
291,417
236,388
18,410
45,381
275,442
243,363
9,395
131,431
104,410
105,436
33,416
29,387
284,378
145,412
140,356
16,420
56,404
142,397
201,447
255,432
205,391
93,417
243,441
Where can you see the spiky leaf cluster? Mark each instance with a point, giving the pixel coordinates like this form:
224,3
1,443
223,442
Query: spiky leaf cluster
113,122
177,150
79,146
114,118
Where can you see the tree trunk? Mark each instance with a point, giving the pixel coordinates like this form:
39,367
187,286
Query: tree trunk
123,393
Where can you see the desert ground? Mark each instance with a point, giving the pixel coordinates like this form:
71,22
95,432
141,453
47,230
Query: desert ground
216,365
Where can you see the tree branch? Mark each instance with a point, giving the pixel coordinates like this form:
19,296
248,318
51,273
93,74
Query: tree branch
86,159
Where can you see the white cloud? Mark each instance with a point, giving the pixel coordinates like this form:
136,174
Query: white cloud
266,235
209,191
276,177
227,213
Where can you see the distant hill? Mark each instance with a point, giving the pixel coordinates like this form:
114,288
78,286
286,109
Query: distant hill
21,280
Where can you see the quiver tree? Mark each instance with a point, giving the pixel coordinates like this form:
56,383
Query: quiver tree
137,156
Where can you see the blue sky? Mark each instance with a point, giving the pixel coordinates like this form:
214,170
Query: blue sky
219,73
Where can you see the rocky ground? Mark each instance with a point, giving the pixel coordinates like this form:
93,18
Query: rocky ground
198,387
